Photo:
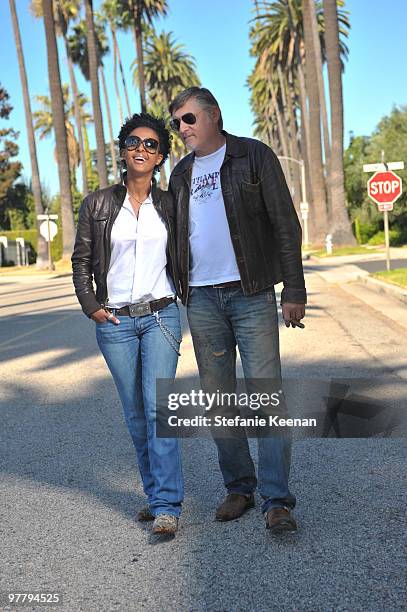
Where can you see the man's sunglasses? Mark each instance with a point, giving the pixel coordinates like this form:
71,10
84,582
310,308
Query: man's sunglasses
188,118
133,142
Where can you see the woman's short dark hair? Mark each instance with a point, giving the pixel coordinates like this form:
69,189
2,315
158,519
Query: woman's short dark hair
149,121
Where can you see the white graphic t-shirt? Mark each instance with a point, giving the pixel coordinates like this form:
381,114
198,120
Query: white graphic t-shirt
212,258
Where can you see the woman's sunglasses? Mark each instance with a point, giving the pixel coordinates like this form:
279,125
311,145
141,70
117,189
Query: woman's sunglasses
188,118
133,142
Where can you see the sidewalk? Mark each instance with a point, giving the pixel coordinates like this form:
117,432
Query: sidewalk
385,298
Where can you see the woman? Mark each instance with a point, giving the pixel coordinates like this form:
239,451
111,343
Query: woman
125,240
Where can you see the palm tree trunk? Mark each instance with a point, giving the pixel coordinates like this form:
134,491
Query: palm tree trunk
339,221
292,139
109,122
116,85
89,168
140,57
163,178
63,25
78,120
121,72
280,124
42,259
97,111
321,88
319,219
58,119
304,133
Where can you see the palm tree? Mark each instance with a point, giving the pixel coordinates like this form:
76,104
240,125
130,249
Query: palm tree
57,103
79,50
42,260
135,13
278,41
111,13
339,220
320,78
44,126
64,12
320,218
94,79
168,70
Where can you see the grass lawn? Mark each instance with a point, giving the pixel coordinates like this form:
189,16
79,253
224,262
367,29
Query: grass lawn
395,277
346,250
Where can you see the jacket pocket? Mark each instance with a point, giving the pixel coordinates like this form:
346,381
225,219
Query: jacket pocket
253,199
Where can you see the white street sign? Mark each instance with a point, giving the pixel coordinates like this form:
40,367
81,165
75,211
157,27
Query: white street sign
383,167
53,230
385,206
45,217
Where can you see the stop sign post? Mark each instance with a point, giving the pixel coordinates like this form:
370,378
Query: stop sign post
384,188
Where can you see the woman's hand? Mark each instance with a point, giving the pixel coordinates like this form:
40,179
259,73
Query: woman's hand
102,316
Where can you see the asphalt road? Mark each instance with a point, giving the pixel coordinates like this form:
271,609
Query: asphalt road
70,488
379,265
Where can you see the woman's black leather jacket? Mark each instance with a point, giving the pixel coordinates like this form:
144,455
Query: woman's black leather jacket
91,255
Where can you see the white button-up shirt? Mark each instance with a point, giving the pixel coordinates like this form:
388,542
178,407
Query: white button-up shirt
137,271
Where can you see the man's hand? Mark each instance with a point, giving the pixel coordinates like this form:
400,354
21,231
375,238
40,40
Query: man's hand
102,316
292,314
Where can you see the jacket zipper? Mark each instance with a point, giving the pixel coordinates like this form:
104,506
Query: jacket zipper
108,231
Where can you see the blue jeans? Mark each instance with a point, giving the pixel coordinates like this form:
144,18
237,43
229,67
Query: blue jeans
220,319
137,353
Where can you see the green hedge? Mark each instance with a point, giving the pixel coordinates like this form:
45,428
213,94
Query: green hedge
396,237
31,238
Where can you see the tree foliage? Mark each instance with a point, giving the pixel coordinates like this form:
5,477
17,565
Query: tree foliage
390,136
10,169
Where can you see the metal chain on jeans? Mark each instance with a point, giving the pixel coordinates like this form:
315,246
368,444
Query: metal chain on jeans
167,333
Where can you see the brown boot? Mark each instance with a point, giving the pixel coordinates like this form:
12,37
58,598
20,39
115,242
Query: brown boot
279,520
233,506
144,515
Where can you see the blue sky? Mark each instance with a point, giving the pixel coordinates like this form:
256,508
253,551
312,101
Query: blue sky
216,34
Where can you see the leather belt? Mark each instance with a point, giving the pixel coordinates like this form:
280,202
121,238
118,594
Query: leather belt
142,308
235,283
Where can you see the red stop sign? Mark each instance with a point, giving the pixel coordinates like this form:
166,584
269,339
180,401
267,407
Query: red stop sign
384,187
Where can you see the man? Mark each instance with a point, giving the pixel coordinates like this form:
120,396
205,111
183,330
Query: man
237,236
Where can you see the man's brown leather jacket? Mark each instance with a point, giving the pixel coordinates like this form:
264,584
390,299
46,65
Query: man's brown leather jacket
264,227
91,255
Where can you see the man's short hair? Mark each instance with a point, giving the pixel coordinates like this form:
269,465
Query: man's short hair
203,96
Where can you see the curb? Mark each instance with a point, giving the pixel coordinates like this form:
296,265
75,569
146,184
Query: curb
382,287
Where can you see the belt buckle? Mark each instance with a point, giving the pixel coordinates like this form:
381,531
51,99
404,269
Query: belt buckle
140,309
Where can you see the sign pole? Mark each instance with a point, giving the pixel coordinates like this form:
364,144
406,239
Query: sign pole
49,245
304,199
386,227
387,238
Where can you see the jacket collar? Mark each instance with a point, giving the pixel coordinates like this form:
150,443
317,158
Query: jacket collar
235,147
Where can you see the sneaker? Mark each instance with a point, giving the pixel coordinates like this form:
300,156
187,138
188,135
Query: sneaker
279,520
233,506
145,515
165,524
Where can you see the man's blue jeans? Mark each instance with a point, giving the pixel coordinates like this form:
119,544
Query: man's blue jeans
137,353
220,319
